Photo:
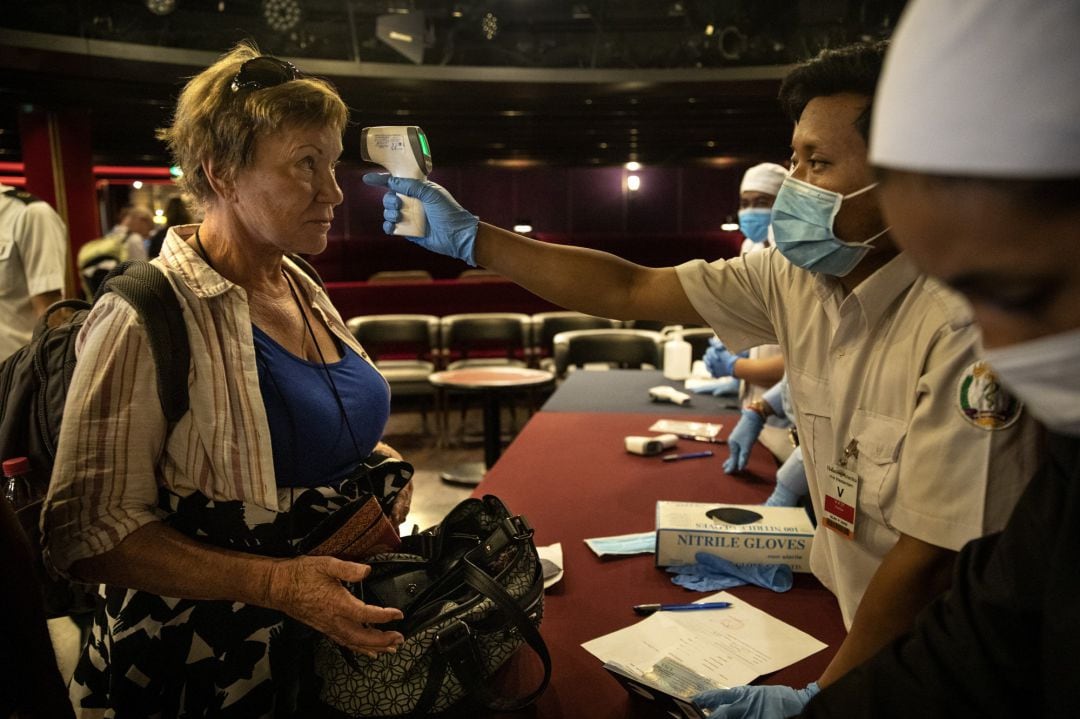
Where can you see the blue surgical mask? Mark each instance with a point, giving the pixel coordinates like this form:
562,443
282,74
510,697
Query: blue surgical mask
639,543
754,223
802,227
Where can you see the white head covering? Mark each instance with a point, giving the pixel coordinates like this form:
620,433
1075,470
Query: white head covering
984,88
766,177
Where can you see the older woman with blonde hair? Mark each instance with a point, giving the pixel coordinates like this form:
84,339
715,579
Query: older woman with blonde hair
190,526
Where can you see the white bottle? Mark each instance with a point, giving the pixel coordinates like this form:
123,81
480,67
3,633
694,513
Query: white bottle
677,356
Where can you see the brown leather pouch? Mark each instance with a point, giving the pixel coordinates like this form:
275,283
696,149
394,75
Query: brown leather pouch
358,530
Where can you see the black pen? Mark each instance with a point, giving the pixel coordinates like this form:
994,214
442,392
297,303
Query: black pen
650,608
688,455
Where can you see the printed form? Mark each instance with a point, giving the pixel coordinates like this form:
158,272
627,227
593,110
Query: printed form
709,648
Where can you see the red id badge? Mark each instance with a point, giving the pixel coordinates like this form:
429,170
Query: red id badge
841,499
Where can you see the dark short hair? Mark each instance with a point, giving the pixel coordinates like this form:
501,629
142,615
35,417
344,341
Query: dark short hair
853,68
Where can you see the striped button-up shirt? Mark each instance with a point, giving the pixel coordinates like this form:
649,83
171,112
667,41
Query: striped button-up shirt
116,448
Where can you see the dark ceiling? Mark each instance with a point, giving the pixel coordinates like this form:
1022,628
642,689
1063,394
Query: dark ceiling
556,82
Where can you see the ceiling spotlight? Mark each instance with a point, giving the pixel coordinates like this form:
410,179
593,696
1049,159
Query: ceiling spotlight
137,184
633,166
581,11
633,183
161,7
281,15
729,226
709,30
489,26
458,11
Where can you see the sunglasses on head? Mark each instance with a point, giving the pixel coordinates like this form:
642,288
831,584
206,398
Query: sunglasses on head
262,72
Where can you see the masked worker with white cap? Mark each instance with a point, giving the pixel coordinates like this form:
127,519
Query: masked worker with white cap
757,192
911,448
977,138
761,367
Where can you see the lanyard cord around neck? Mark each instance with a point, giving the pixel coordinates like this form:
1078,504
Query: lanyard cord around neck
311,334
322,360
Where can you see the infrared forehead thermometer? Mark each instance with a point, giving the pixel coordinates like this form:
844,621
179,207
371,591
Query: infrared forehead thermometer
403,150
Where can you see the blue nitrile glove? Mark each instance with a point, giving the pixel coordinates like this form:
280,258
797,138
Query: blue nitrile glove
790,482
719,361
742,439
712,573
451,229
757,702
726,387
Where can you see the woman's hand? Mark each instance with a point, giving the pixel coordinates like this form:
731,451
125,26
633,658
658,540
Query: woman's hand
309,589
402,502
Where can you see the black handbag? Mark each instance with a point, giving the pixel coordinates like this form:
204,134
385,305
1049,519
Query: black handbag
472,592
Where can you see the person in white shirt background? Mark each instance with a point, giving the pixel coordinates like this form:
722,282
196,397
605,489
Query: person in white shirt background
33,263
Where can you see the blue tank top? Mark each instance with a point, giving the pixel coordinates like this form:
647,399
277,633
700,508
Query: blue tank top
310,439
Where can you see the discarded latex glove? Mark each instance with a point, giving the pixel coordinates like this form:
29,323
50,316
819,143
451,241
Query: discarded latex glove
715,387
712,573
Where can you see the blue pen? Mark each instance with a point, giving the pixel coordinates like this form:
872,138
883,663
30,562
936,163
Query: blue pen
688,455
650,608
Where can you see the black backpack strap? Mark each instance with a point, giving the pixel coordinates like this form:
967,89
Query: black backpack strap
149,291
307,268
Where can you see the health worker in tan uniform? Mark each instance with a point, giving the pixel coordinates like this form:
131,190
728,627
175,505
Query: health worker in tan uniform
912,448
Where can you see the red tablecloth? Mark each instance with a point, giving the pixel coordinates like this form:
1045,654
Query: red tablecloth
569,475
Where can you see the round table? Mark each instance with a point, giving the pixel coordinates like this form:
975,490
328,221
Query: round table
490,382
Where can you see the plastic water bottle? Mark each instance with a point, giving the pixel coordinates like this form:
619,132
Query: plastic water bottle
677,356
17,481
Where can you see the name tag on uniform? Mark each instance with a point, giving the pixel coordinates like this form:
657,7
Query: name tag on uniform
841,499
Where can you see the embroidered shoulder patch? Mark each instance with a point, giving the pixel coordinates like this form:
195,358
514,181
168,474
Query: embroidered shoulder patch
984,401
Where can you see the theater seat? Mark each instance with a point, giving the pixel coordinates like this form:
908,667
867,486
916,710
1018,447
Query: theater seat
401,276
623,348
545,325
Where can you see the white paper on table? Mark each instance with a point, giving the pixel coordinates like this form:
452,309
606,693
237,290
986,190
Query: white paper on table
726,647
552,553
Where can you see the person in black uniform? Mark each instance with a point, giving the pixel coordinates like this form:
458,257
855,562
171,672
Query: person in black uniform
976,139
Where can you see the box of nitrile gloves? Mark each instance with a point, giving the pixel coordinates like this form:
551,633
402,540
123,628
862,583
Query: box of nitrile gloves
740,533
